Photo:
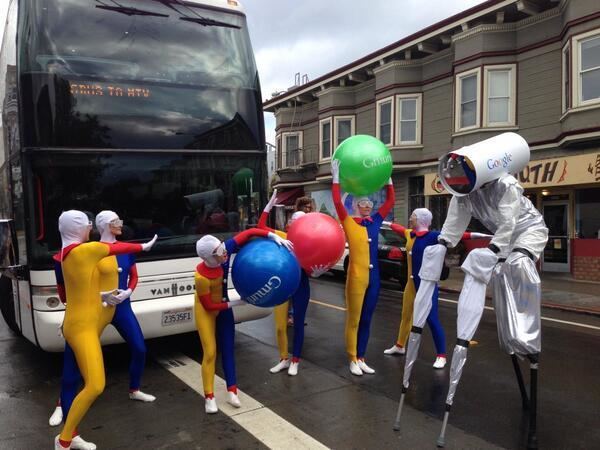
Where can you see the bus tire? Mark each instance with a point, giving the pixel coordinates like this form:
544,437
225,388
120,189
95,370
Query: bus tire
7,306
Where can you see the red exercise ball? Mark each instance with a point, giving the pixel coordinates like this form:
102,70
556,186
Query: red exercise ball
318,242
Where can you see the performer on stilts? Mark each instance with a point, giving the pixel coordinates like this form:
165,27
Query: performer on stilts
299,300
89,279
479,178
418,237
212,310
362,280
110,226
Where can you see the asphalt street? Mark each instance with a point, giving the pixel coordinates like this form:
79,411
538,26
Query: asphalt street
324,405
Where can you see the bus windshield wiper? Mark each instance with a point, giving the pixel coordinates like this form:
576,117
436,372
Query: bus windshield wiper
209,22
130,11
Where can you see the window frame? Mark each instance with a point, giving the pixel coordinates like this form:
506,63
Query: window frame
457,97
336,120
512,94
321,123
380,102
576,59
284,136
566,79
278,152
418,96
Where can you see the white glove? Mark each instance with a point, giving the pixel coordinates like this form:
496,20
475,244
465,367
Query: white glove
110,298
385,223
272,202
335,171
124,294
317,271
233,303
148,245
390,182
280,241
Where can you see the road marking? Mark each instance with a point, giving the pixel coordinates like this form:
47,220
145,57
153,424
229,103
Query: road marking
266,426
489,308
549,319
327,305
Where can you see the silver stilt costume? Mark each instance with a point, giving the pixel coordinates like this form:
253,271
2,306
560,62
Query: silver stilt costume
479,178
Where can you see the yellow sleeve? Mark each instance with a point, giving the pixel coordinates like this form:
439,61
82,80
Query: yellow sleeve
202,284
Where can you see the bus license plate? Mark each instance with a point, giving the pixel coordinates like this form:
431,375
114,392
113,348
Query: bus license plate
176,316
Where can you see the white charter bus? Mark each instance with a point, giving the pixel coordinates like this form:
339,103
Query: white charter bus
150,108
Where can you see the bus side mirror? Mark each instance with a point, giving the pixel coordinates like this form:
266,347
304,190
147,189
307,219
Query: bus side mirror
9,251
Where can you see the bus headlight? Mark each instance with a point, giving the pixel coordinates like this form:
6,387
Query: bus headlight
52,302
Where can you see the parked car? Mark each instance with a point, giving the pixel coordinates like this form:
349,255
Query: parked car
391,253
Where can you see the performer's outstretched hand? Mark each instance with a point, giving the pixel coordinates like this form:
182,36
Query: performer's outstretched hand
335,171
280,241
271,202
317,271
148,245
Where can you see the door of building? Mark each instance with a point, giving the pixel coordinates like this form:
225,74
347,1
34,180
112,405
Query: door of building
557,251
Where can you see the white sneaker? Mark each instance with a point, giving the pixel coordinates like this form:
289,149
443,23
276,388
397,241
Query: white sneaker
210,406
141,396
56,417
293,370
363,366
233,399
395,350
355,369
78,443
283,364
58,446
440,362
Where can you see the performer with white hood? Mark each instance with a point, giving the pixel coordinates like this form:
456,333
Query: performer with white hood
479,178
122,318
85,317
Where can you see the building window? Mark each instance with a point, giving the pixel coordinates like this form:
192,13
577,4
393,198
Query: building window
344,128
292,145
416,193
467,100
589,69
566,77
385,119
409,119
325,139
500,95
279,152
438,205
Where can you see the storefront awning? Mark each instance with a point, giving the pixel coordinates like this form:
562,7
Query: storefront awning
288,197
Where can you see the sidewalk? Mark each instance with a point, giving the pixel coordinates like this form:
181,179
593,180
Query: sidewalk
559,291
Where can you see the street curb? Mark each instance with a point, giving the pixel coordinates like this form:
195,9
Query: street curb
574,309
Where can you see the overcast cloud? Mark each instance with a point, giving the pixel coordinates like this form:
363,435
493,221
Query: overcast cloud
314,37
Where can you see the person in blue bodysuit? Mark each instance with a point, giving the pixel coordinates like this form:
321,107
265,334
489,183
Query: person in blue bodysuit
212,309
362,279
109,225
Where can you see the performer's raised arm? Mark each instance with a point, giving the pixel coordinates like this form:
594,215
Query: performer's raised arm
385,209
335,190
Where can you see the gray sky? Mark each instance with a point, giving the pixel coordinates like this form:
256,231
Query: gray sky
314,37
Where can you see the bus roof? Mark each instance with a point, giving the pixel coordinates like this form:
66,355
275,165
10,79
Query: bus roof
233,5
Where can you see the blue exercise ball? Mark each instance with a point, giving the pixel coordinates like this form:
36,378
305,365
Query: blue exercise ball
264,273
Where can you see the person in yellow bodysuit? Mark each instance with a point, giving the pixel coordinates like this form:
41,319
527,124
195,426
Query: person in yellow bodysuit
85,315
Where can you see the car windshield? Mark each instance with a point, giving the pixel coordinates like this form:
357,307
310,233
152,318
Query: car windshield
388,237
179,197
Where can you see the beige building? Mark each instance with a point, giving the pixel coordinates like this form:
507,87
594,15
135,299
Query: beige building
527,66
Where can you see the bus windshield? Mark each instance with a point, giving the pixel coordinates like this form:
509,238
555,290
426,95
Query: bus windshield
169,74
179,197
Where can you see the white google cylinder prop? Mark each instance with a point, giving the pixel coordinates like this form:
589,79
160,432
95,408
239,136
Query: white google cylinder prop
487,161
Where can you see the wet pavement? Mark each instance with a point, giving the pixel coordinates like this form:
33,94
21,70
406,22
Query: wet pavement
324,400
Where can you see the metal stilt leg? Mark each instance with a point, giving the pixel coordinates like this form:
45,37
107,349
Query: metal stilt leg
524,398
532,435
414,342
441,441
399,413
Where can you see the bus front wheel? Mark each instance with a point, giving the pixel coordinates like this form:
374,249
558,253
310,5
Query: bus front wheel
7,306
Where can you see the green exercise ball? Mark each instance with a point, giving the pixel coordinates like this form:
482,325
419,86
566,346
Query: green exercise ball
242,181
365,164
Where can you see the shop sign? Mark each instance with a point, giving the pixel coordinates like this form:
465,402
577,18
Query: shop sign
555,172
